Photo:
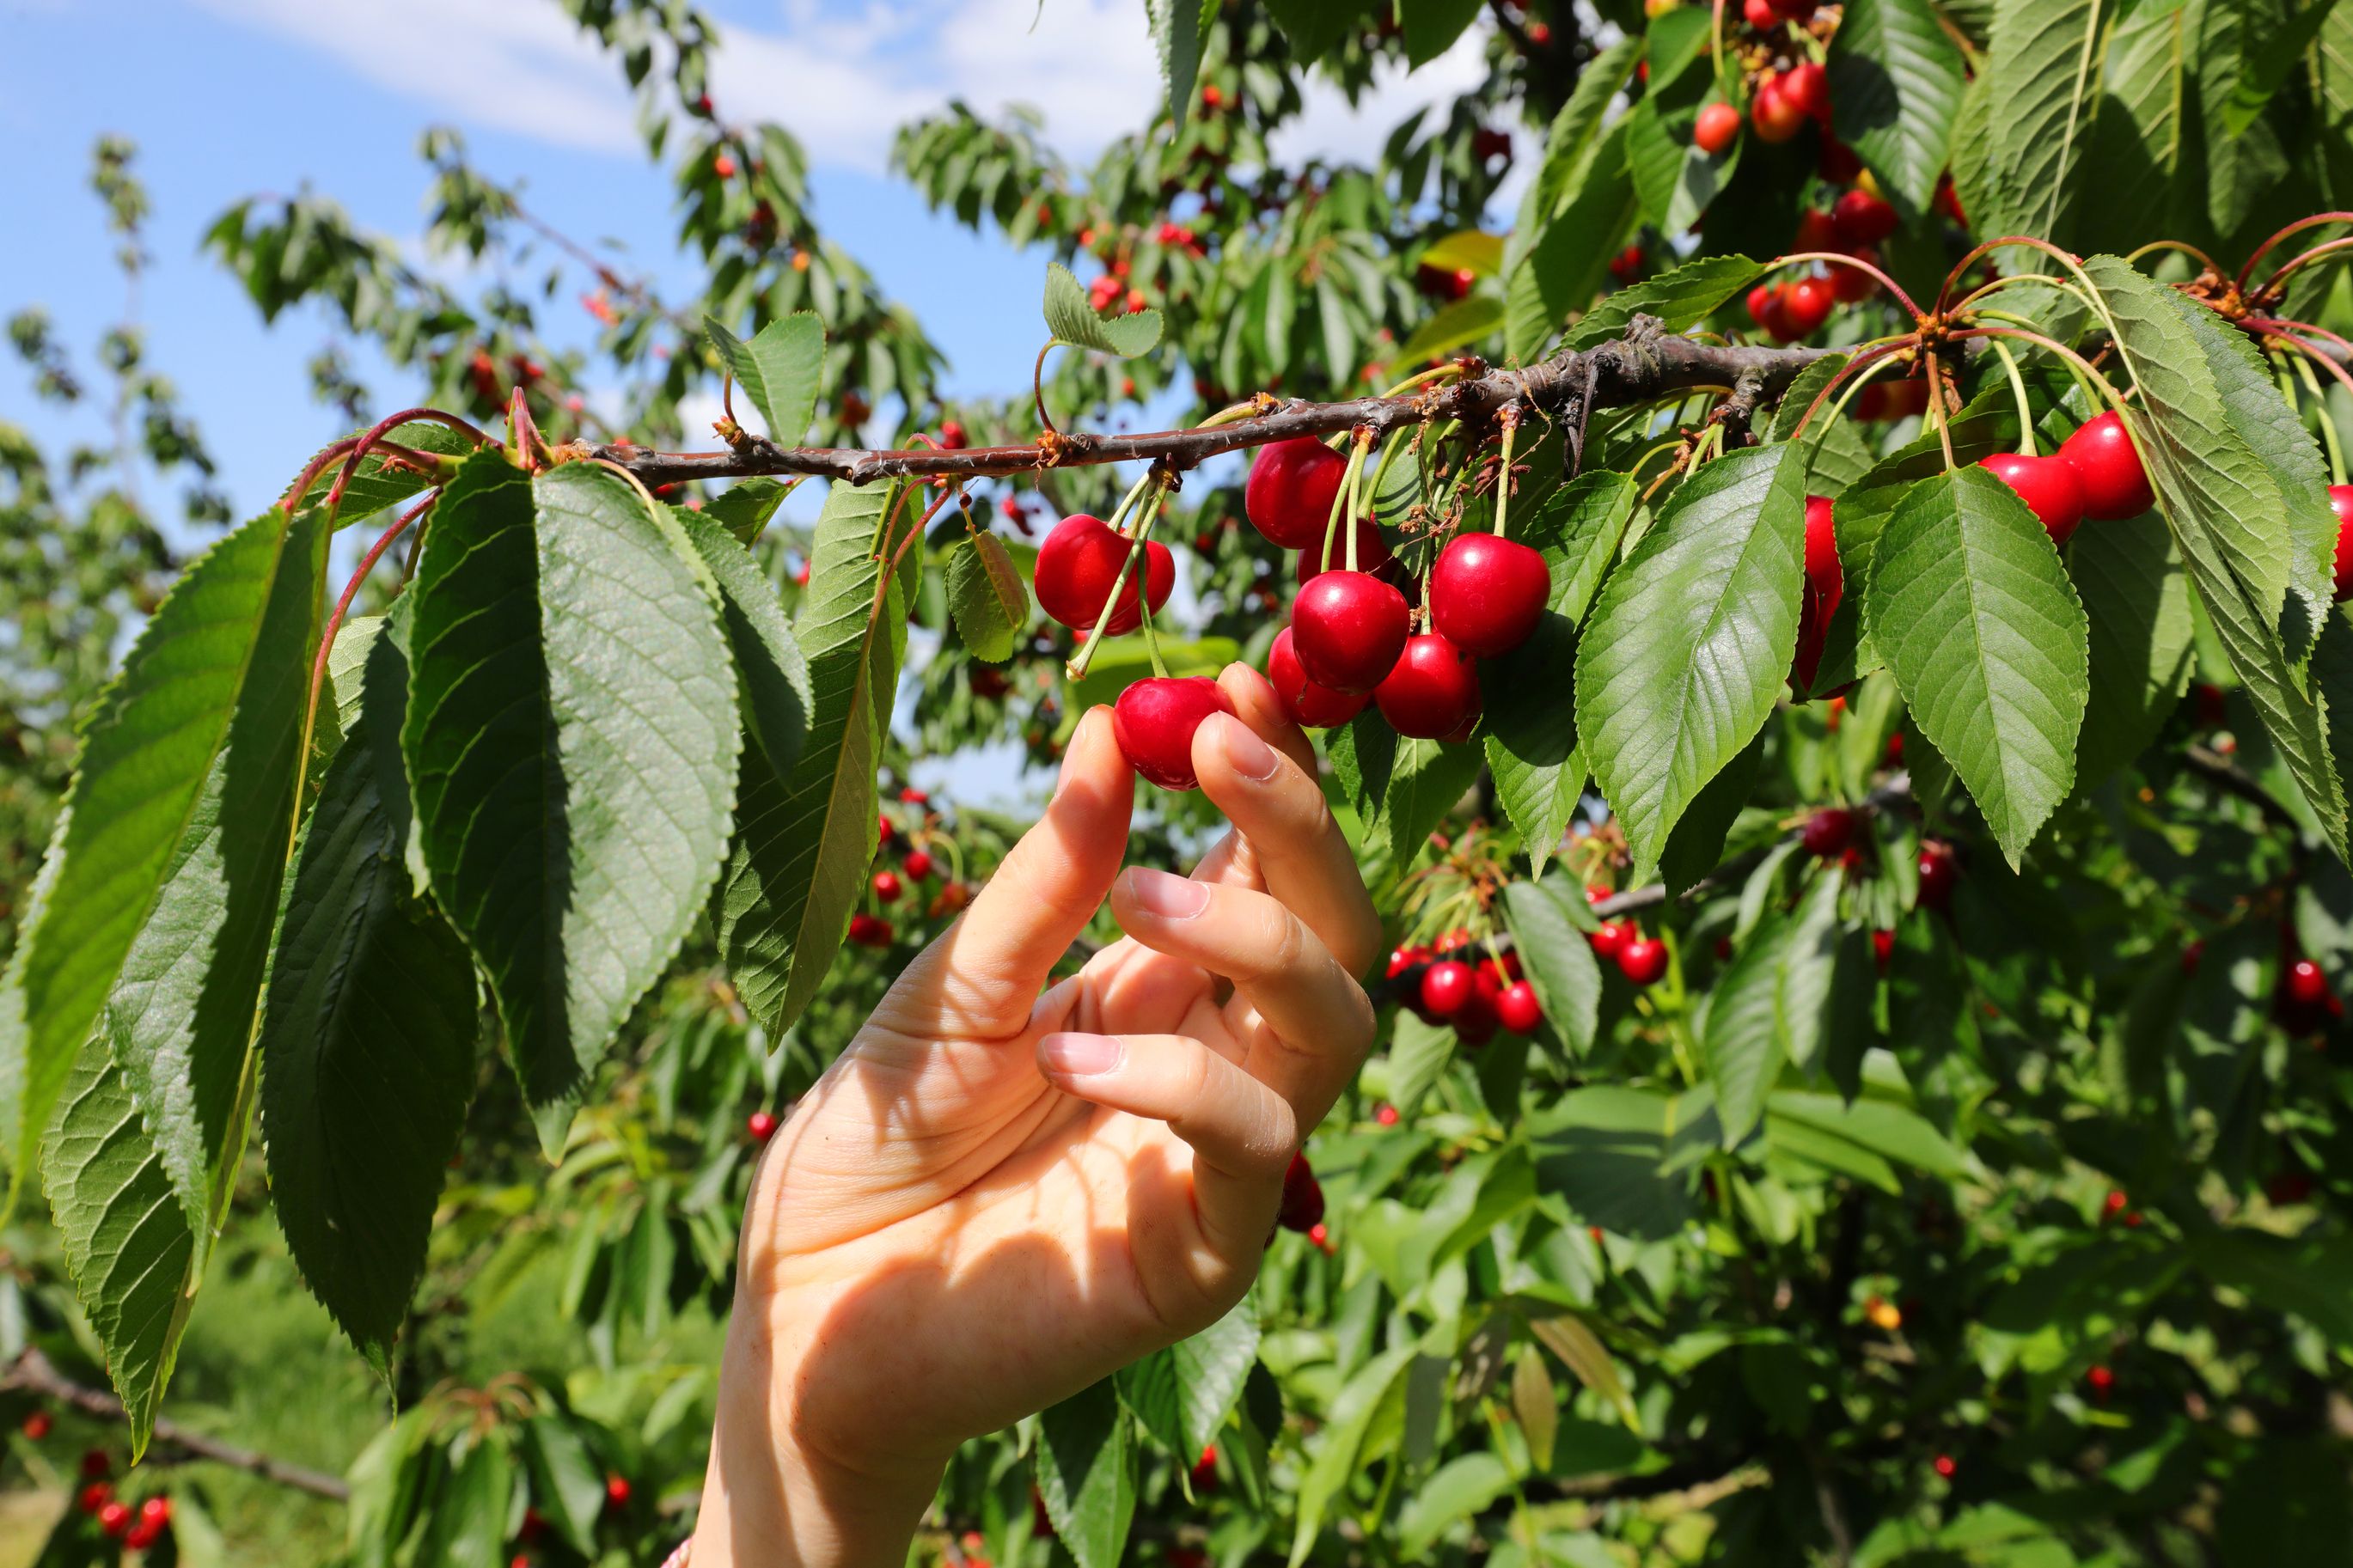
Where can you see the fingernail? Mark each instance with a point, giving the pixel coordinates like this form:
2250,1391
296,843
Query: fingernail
1079,1056
1070,751
1170,898
1247,754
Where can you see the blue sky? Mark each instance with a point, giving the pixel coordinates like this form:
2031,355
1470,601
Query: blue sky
230,98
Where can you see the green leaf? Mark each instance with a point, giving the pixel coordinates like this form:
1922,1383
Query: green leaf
1461,1488
127,1242
802,846
1086,1473
1178,29
1896,80
2137,598
1466,249
768,663
174,843
1563,268
744,508
779,370
1535,1405
1690,642
1531,740
378,484
1967,602
1073,321
2312,1277
1558,959
1605,1151
2140,139
1581,1351
1420,1054
1432,26
1211,1367
1377,1385
467,1525
1774,1005
2228,518
1465,321
1878,1127
1570,145
567,1485
367,1037
987,596
1682,299
2042,66
1695,848
571,698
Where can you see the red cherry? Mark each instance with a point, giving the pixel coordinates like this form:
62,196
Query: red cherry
1446,988
95,1465
1940,869
1643,960
1825,585
910,795
1486,593
2289,1187
1807,85
1883,948
887,886
1302,1197
2047,485
1852,285
2306,985
1946,1467
157,1509
1777,321
1608,938
1433,691
1815,231
2109,470
1795,10
1385,1116
1826,832
1862,218
2102,1380
1839,163
1475,1022
1372,554
35,1427
761,1125
114,1518
1760,15
723,166
1765,304
616,1491
1154,721
94,1497
1776,115
1205,1469
918,864
1306,704
1080,560
1347,628
1807,304
1519,1009
1718,127
143,1535
2340,501
1291,489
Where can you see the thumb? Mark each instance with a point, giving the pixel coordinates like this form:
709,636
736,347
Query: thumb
982,976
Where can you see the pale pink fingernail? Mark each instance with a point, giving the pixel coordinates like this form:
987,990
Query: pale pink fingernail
1079,1056
1246,754
1170,898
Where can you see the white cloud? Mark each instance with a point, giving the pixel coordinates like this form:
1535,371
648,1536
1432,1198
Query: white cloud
842,79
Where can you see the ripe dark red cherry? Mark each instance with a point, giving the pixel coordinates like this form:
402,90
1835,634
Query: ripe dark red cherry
1291,489
2115,484
2047,485
1372,553
2102,1379
1852,285
35,1427
1446,986
1940,870
918,864
1154,721
887,886
1302,1197
1760,15
616,1491
1308,705
1776,115
1883,948
1643,960
1079,562
1819,601
114,1518
1518,1009
1947,1467
1815,231
2340,501
1608,938
1433,691
2305,984
1826,832
1807,85
1862,218
761,1125
1718,127
1806,304
1347,628
1486,593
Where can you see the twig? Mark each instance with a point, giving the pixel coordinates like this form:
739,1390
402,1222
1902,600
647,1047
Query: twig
33,1372
1643,366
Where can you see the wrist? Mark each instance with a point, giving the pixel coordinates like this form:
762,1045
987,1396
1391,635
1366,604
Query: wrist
775,1498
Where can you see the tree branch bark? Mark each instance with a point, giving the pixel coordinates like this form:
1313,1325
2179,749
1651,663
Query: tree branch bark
33,1372
1645,365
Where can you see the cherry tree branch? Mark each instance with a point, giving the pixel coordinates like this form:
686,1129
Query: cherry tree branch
1645,365
33,1372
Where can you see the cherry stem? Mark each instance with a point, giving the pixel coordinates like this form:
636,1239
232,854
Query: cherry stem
2317,253
2315,221
1038,390
1870,362
2303,371
2312,352
2096,381
310,475
1503,479
1435,373
2064,259
1356,482
1967,303
1077,667
376,436
1716,46
2018,389
2185,247
1834,259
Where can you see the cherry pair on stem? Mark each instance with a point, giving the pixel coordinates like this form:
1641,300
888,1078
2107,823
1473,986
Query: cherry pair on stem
995,1197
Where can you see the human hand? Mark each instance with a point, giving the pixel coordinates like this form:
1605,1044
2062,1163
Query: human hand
994,1198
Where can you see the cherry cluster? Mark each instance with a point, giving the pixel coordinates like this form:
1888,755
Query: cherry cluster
918,840
1444,983
137,1527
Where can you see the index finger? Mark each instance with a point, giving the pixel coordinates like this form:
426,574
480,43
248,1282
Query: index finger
1250,768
